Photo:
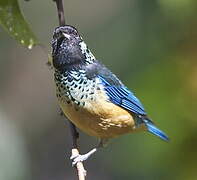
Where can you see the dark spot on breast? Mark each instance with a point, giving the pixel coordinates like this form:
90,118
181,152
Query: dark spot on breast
81,80
64,74
70,78
72,99
78,103
85,55
91,93
72,83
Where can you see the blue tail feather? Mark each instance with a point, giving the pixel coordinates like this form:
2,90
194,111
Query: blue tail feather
157,132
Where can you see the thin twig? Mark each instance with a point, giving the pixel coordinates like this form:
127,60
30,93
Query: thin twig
75,152
75,135
60,10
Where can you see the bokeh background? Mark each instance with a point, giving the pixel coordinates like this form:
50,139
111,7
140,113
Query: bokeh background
151,45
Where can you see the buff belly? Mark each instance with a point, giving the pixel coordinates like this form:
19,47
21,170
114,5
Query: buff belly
101,119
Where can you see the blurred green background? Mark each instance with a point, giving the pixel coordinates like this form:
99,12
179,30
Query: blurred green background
151,45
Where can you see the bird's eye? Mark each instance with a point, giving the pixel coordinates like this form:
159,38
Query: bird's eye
74,32
57,35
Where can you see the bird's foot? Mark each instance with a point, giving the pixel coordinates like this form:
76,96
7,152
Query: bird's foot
80,158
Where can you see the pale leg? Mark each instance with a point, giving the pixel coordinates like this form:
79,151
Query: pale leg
83,157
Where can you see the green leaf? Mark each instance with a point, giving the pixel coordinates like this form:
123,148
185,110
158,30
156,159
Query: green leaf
14,23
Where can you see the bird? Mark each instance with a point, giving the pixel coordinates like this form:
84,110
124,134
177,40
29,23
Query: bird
92,97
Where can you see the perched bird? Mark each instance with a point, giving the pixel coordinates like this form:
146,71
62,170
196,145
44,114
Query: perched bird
91,96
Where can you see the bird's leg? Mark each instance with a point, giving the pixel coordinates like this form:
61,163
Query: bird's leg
83,157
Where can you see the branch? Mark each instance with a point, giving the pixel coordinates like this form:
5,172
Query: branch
60,10
75,152
75,135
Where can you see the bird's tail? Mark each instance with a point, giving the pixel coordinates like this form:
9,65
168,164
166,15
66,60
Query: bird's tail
154,130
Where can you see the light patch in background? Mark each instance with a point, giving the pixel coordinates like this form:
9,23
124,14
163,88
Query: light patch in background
177,7
14,163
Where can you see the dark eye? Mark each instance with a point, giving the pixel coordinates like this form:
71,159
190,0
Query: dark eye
74,32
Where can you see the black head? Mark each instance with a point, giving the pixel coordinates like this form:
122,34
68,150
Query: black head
66,48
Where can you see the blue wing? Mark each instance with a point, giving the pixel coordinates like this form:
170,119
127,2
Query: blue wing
122,97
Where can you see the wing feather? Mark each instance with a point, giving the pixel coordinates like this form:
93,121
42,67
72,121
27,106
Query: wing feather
121,96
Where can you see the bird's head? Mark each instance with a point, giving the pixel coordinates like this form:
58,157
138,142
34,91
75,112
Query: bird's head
68,49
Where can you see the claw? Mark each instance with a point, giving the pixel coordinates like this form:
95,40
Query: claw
73,156
80,158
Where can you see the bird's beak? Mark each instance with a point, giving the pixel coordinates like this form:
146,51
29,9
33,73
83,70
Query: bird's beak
66,35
